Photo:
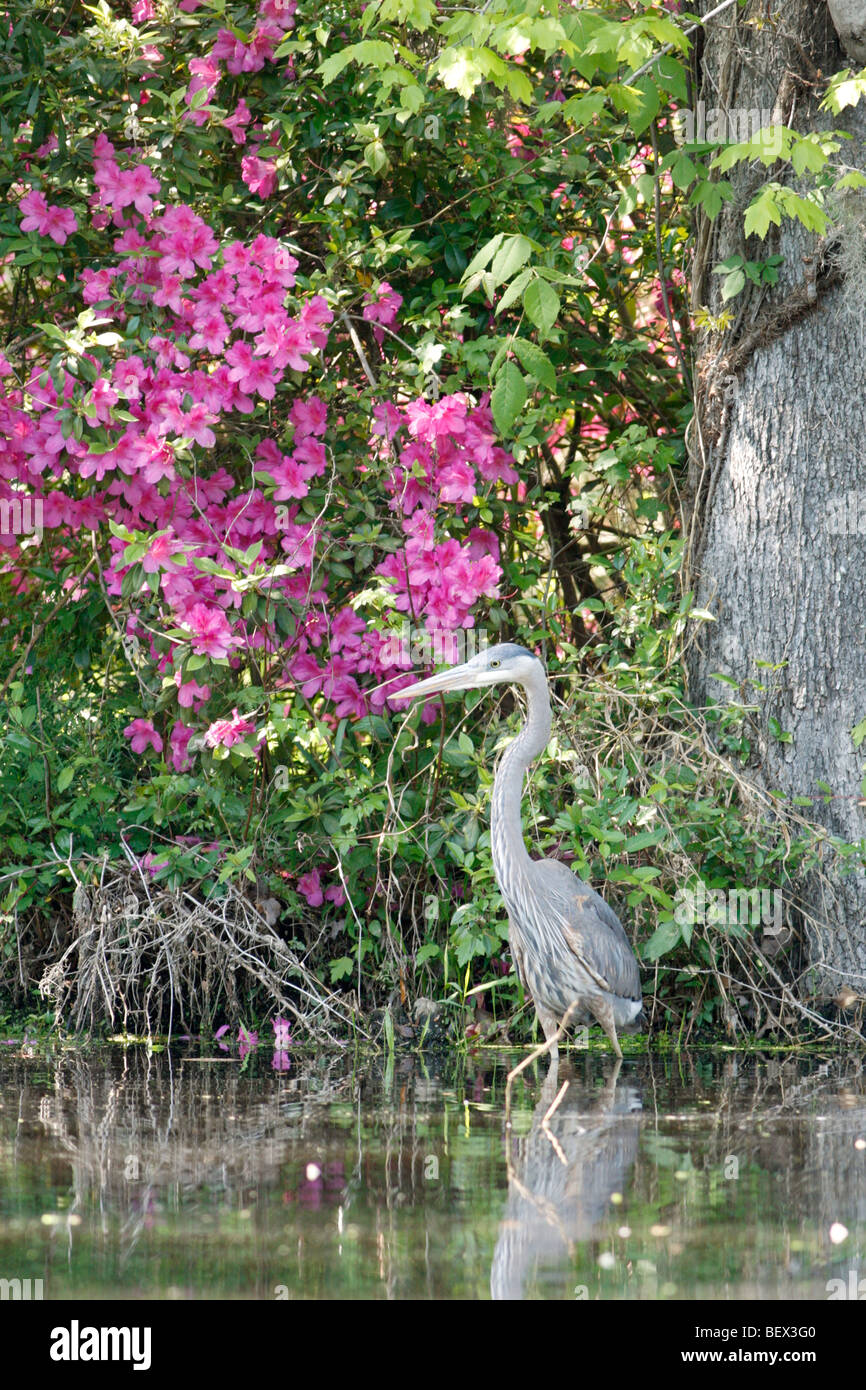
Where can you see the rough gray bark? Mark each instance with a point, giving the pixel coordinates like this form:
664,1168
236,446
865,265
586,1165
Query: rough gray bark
778,463
849,20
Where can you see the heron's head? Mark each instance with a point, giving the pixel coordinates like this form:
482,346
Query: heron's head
494,666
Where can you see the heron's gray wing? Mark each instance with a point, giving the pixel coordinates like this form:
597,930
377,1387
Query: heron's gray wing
591,929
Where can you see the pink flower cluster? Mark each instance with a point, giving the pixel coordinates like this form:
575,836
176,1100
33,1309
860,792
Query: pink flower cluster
199,333
273,19
435,455
311,886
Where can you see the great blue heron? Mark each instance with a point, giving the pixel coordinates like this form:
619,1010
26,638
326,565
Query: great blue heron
569,947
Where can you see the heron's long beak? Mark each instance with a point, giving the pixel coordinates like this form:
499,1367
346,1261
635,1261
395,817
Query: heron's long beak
458,678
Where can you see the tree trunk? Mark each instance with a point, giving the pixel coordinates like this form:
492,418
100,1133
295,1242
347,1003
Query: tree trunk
777,508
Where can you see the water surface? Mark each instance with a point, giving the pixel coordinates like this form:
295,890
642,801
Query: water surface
125,1174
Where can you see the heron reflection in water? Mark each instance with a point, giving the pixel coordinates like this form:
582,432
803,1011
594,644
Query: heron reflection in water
561,1176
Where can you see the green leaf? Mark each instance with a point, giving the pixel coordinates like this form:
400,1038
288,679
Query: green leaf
761,212
844,90
648,106
805,210
671,74
519,85
66,776
419,13
375,157
536,362
666,936
710,196
643,840
508,398
459,70
514,291
808,155
483,257
582,109
683,172
733,284
341,968
512,254
541,303
370,53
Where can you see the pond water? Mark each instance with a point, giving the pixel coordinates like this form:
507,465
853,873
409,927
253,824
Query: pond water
128,1174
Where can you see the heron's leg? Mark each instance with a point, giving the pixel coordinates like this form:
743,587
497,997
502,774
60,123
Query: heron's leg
604,1013
550,1027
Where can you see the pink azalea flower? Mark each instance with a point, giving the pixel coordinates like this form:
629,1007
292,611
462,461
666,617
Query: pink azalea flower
259,175
140,188
311,453
142,735
59,224
382,306
240,360
282,1032
196,425
179,739
279,12
189,693
50,145
311,888
456,482
211,333
350,702
309,416
306,671
102,148
159,554
56,222
151,864
226,733
35,207
290,479
211,633
237,122
315,315
294,339
346,629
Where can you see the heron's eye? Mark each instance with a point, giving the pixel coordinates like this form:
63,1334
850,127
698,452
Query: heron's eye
494,664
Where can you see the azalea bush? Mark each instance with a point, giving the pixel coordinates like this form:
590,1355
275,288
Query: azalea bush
335,337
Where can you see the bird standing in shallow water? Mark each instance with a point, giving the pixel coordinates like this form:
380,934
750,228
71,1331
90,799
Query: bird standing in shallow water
570,948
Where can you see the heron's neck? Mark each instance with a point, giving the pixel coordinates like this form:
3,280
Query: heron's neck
506,831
